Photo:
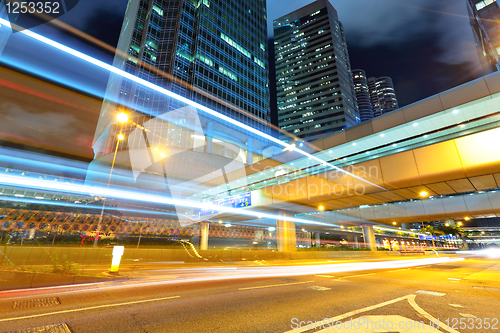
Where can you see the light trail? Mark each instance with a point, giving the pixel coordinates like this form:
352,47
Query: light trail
86,206
79,189
166,92
237,273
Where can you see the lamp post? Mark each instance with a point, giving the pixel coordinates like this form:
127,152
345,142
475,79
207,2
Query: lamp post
122,118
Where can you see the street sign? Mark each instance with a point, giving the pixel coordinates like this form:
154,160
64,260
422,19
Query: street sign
235,201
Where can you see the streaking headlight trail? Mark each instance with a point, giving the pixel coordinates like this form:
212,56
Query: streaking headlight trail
134,196
166,92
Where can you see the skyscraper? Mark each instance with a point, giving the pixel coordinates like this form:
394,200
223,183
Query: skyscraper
484,17
213,52
382,95
362,94
313,73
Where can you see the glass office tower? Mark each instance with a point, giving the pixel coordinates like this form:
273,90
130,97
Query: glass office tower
362,94
313,73
484,16
382,95
211,52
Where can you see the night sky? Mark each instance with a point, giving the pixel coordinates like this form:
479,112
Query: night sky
426,46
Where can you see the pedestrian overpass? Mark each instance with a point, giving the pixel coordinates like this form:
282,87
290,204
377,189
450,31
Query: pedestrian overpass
432,160
437,159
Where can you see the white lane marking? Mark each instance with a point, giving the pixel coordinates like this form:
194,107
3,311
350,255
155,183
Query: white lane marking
325,276
399,270
411,299
454,279
467,315
433,293
89,308
275,285
351,276
456,305
355,312
484,288
461,291
318,288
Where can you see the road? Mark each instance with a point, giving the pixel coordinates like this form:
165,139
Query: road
268,298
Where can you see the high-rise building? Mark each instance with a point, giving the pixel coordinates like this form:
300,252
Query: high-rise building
362,94
484,17
314,85
213,52
382,95
210,52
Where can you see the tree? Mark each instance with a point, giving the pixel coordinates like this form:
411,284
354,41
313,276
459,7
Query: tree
454,230
432,231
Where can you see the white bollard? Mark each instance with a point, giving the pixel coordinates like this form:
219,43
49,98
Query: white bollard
117,257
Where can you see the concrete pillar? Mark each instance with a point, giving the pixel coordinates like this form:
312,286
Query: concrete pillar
356,242
249,151
204,226
209,136
317,239
369,237
287,238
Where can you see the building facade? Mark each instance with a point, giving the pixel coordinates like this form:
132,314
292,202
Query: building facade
315,92
484,17
213,53
218,47
382,95
362,94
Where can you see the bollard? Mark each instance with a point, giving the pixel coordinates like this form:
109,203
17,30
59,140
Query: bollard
117,257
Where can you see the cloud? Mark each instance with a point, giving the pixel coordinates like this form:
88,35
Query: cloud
455,34
370,22
391,23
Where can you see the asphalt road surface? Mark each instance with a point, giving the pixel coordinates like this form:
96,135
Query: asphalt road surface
464,295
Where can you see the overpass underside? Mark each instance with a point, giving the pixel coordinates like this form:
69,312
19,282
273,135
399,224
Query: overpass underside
458,176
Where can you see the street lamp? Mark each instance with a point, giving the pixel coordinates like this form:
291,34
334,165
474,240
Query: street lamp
423,194
122,117
120,137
